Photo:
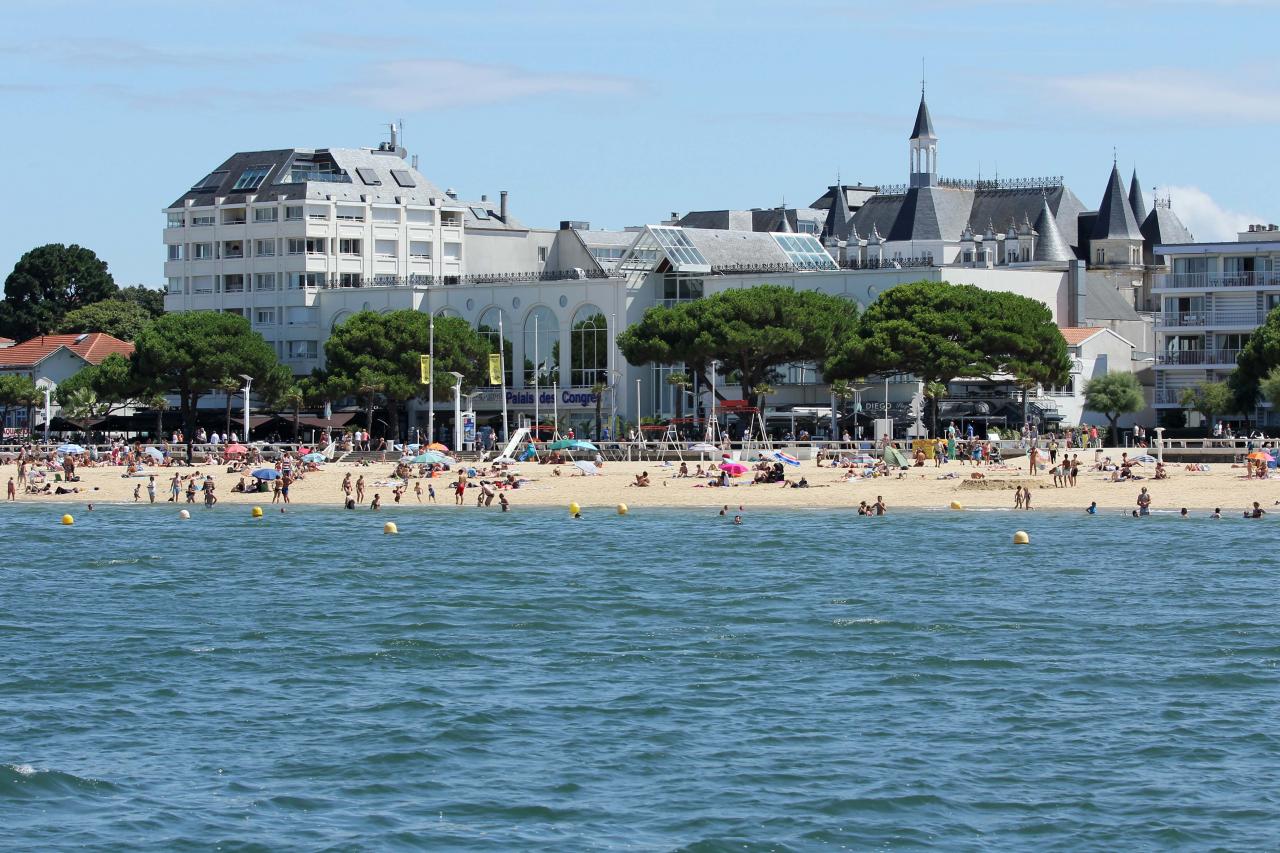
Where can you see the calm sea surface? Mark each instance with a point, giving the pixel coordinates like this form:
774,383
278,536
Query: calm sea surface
664,681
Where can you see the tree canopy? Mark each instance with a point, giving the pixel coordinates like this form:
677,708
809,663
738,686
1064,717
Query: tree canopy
1209,399
99,389
1260,355
16,392
119,318
192,353
750,331
377,355
149,299
48,282
1113,395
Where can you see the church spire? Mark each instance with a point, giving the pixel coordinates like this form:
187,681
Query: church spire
924,147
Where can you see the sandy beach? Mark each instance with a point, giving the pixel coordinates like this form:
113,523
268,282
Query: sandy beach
1222,486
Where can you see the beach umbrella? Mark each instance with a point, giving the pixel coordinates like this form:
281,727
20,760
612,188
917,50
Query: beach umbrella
431,457
70,448
1258,454
572,444
504,460
413,446
266,474
435,445
786,458
155,453
735,469
235,450
1145,459
587,468
703,447
314,457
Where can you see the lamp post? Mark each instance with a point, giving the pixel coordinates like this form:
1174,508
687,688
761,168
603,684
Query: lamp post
614,376
431,386
48,411
713,426
248,380
457,411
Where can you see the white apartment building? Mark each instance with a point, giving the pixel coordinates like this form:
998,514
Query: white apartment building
1211,301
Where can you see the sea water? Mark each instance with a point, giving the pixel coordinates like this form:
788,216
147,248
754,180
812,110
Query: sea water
661,681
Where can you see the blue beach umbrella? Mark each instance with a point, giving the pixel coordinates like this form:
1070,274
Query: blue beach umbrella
572,444
787,458
155,453
70,448
266,474
431,457
314,457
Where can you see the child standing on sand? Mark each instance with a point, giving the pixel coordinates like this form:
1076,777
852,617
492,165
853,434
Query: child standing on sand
137,492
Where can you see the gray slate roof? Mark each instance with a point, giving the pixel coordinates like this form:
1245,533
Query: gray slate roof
924,124
1135,198
1103,302
837,224
1162,227
1115,217
347,159
732,220
1050,247
932,213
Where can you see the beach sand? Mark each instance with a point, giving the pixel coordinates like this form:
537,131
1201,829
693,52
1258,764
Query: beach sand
1223,486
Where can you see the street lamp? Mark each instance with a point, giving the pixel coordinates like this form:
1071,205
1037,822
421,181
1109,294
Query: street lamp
248,380
48,387
713,426
457,411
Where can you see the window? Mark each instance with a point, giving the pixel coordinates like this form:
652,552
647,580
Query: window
264,317
176,220
175,253
233,283
421,217
264,248
266,214
479,213
318,213
251,178
233,249
403,178
542,254
1102,256
202,219
350,279
676,288
385,248
968,256
174,285
202,284
386,214
306,245
420,249
201,251
349,246
804,252
302,349
369,176
264,281
298,280
292,212
451,218
588,347
211,182
541,347
351,214
452,251
233,217
608,254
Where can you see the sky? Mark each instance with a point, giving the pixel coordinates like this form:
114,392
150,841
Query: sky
620,113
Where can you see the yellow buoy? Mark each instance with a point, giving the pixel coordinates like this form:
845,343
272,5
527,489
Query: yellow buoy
1021,538
622,509
257,512
67,519
574,509
957,505
184,514
390,527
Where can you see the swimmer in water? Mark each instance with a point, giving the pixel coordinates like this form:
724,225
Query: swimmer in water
724,510
737,519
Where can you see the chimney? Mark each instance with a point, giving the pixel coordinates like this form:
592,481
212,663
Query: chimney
502,205
484,197
415,162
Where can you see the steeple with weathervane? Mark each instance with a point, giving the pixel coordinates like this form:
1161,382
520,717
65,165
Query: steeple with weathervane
924,147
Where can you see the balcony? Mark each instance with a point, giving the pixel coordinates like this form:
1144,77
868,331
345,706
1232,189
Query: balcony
1213,280
1210,319
1169,396
1199,357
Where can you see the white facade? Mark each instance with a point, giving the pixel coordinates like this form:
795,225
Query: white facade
1214,298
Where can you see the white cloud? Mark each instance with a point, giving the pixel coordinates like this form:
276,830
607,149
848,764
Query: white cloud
422,84
1174,95
1205,218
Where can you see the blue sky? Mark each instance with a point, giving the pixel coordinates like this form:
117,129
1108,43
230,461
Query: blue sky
621,113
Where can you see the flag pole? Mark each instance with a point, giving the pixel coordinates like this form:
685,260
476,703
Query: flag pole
537,427
502,351
431,385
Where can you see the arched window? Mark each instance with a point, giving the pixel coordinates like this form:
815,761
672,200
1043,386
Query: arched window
541,347
448,311
589,347
487,326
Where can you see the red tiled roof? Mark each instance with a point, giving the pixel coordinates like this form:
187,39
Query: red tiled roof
93,348
4,342
1076,335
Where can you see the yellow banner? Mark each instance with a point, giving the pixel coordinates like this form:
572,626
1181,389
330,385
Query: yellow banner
495,368
424,368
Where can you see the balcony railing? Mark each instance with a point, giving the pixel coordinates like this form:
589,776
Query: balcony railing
1209,280
1210,319
1169,396
1198,356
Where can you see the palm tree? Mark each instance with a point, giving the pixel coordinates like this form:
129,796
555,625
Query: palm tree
160,403
293,397
843,391
598,390
228,386
681,382
935,391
